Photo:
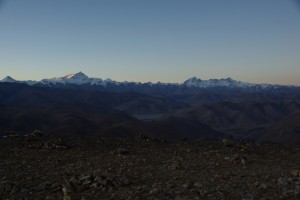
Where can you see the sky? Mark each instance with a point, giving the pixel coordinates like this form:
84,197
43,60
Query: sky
151,40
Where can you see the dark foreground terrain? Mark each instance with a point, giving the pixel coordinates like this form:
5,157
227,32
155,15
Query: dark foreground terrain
96,168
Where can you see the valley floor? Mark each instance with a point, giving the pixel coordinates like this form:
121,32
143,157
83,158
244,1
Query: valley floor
97,168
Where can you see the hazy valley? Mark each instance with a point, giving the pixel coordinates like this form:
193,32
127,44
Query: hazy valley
195,109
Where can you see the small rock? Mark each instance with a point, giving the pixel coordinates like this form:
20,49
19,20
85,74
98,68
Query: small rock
122,151
283,181
243,145
117,183
42,186
154,191
237,159
7,187
228,142
86,182
124,181
263,186
94,185
143,137
66,193
174,165
243,160
295,172
186,185
101,180
84,177
36,133
69,185
56,143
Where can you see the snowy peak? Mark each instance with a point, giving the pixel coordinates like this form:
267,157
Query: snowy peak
78,79
8,79
194,81
224,82
77,76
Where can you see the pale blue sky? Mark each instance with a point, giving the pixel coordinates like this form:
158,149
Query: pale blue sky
151,40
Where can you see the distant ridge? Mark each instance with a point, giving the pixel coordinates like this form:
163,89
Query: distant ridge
81,79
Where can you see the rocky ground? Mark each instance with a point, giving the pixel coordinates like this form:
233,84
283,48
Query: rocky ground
43,167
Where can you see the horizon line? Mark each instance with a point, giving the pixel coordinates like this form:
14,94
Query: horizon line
153,82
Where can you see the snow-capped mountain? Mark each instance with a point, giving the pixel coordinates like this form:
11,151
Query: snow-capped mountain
81,79
77,79
8,79
228,82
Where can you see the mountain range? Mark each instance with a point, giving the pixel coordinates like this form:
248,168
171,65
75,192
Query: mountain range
81,79
194,109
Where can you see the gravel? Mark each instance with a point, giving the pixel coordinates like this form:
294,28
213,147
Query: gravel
101,168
